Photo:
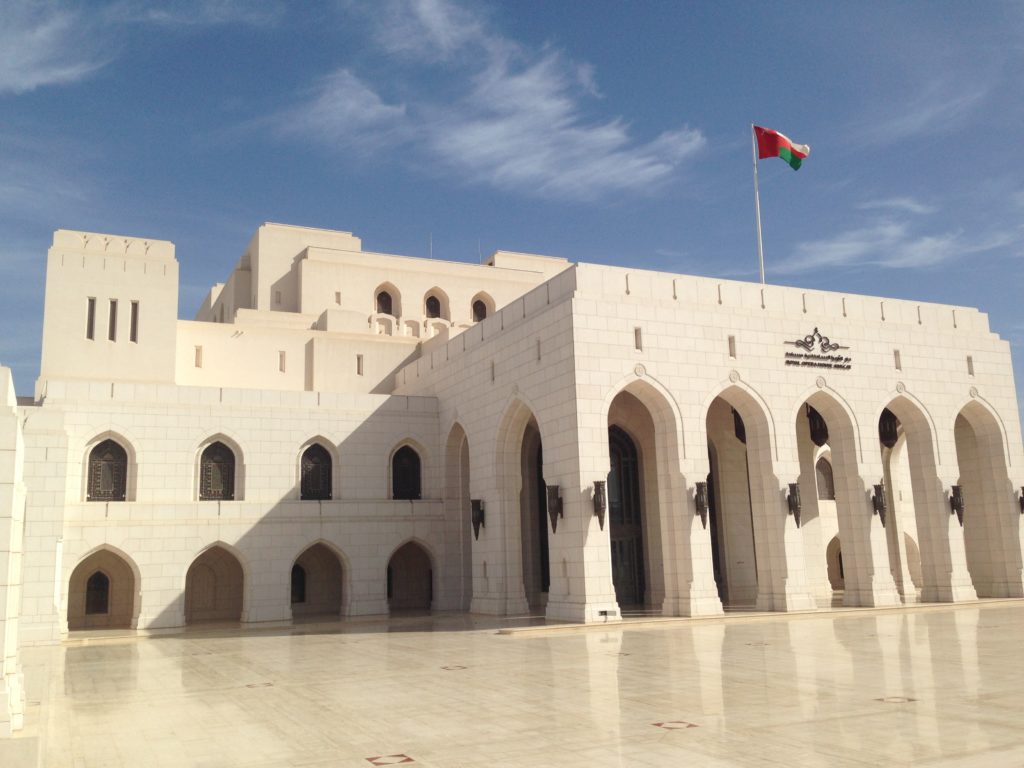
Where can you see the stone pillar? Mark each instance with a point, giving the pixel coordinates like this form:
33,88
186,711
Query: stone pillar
12,520
690,588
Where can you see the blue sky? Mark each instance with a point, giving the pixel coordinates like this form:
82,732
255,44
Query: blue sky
609,132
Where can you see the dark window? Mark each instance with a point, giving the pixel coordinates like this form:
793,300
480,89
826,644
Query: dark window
97,593
133,333
433,306
90,319
112,324
405,474
298,584
826,484
479,311
316,473
384,303
217,473
108,472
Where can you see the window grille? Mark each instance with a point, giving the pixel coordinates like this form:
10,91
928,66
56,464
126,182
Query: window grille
405,474
108,472
217,473
316,474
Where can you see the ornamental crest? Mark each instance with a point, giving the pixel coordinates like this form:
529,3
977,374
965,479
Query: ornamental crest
814,337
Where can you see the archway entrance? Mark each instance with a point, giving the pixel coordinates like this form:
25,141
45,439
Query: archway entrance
102,593
993,558
625,513
730,509
533,510
458,519
410,579
316,583
214,586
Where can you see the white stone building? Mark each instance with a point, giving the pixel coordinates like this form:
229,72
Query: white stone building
345,433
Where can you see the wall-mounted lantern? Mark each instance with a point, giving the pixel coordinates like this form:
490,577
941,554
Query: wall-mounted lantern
554,506
878,501
888,428
793,499
477,515
1021,499
956,503
819,429
701,498
600,501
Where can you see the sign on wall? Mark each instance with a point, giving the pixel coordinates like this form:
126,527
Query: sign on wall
818,352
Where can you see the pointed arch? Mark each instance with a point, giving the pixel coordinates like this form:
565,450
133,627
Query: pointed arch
216,585
407,467
390,303
102,479
317,479
457,508
121,603
208,484
482,300
411,571
325,577
751,406
439,307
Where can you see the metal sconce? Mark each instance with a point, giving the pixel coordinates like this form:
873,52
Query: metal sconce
554,506
701,498
878,502
600,501
1021,499
956,503
793,499
819,429
477,507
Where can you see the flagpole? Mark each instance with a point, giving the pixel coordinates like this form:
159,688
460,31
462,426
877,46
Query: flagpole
757,204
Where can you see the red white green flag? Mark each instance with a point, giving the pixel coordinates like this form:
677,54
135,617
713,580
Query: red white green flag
773,144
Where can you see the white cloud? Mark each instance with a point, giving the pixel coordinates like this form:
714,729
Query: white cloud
194,13
901,204
518,122
888,244
43,44
343,109
942,106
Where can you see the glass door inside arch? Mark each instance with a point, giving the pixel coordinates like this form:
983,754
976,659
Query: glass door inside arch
625,518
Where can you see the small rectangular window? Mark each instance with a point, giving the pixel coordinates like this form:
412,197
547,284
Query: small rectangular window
280,361
337,297
277,297
199,357
133,333
896,359
112,325
638,340
492,371
970,365
359,365
538,349
732,346
90,319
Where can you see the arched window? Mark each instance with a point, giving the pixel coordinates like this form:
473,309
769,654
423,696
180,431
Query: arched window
97,593
405,474
384,303
298,584
826,484
479,311
316,473
217,473
108,472
433,305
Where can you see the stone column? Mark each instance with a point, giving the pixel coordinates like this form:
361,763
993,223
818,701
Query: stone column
12,520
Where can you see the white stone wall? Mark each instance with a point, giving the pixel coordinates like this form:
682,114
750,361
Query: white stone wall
12,521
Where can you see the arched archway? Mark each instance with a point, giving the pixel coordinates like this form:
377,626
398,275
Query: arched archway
481,307
103,592
406,473
410,579
458,517
214,587
316,582
387,300
990,541
834,563
316,473
533,519
435,304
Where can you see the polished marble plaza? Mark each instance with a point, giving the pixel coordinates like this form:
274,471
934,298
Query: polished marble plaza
932,685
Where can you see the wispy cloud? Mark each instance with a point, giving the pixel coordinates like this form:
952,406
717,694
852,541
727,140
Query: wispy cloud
900,204
54,43
889,244
44,44
519,121
942,106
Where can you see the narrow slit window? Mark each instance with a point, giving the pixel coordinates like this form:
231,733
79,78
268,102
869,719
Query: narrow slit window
896,359
732,346
638,340
133,333
337,297
112,324
281,361
199,357
277,297
970,365
90,319
359,365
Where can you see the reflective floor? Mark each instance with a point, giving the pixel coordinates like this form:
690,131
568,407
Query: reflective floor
926,686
